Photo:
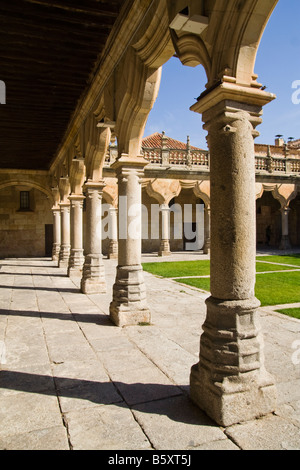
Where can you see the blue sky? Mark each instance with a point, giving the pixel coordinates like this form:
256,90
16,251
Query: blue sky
277,66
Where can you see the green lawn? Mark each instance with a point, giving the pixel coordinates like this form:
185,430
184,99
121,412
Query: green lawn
271,288
178,268
291,312
285,259
262,267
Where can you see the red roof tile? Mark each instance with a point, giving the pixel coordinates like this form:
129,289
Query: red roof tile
155,141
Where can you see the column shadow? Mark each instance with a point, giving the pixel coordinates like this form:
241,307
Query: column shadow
149,398
33,274
72,290
96,318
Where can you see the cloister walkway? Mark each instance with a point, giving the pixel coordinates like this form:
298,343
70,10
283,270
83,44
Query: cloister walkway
70,379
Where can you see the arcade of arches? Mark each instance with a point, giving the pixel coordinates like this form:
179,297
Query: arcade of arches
230,381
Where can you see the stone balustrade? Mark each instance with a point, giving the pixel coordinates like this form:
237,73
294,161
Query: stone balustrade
267,161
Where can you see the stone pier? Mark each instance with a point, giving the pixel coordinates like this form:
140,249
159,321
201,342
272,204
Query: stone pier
230,382
129,304
93,279
76,259
65,246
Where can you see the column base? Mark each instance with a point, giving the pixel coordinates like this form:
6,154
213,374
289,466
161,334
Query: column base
285,243
64,255
76,262
93,278
230,382
55,251
232,401
113,250
164,249
206,247
129,305
164,253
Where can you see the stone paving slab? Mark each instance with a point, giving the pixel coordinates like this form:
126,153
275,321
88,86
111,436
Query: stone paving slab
70,379
53,438
271,432
175,423
106,428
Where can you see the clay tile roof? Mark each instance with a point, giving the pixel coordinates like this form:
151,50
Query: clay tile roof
155,141
295,144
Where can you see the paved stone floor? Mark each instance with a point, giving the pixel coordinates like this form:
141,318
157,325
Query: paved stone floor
70,379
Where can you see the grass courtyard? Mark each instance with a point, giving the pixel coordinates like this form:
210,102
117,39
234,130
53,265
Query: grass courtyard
277,278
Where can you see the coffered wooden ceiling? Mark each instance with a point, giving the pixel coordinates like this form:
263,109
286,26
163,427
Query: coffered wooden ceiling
48,53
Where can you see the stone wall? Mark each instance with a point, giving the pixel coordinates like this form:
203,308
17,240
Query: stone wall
22,232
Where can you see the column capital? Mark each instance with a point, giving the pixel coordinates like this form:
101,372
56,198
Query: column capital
64,206
128,162
76,197
94,185
231,92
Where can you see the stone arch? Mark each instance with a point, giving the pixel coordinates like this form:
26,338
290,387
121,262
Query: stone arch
284,193
110,191
248,37
31,184
135,103
98,139
163,190
202,190
77,175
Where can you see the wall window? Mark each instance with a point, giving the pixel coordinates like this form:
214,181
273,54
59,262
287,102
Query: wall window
24,200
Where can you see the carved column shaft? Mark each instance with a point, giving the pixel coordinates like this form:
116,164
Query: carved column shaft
93,279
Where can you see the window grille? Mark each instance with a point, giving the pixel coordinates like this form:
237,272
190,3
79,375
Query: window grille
24,200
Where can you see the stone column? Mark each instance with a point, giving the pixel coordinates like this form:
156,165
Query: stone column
164,249
56,233
113,244
93,277
285,241
129,305
206,247
230,382
76,259
65,246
